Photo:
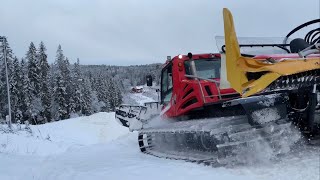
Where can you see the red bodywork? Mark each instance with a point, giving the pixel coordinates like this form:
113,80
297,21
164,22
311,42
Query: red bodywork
186,93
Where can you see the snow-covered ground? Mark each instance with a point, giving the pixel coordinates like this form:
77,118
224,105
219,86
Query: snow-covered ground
97,147
57,137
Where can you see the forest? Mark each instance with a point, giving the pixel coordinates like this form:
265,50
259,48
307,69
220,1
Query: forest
41,92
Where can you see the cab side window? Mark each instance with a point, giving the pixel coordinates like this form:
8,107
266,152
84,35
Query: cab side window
166,84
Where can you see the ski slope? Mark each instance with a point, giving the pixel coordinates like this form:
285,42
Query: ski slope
96,147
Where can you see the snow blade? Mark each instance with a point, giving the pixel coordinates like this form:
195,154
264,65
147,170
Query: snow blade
134,116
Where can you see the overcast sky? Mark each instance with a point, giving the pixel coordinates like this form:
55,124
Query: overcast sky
128,32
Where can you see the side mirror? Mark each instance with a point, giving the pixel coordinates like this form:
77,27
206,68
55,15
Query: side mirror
149,80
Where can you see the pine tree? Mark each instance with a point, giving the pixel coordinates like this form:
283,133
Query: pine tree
45,94
100,88
86,105
16,91
66,74
77,80
34,78
110,95
25,97
114,96
33,69
61,95
117,96
96,105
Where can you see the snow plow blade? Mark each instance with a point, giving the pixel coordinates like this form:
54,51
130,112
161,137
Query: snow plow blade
135,117
250,76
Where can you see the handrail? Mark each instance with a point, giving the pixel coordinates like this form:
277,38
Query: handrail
211,80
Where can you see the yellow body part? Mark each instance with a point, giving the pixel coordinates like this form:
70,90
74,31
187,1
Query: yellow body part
238,66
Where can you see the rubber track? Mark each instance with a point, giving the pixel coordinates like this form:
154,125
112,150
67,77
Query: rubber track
147,149
208,158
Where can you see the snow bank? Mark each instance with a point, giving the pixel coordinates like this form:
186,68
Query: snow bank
86,130
58,137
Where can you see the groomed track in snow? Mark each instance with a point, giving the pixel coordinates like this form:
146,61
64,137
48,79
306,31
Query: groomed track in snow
96,147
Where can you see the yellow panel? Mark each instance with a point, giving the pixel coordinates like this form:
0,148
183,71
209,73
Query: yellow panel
285,67
238,66
235,75
260,84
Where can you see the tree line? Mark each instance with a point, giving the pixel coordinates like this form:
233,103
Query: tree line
43,92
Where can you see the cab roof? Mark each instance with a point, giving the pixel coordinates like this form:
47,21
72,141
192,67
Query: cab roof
185,57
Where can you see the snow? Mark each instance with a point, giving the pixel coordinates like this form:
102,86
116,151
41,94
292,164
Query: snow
265,115
141,98
149,94
63,135
97,147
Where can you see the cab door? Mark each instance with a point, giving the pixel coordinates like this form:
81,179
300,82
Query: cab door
166,84
167,91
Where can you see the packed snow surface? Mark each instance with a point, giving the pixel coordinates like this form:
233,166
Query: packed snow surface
97,147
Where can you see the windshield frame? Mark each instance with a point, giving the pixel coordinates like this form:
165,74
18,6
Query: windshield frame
215,69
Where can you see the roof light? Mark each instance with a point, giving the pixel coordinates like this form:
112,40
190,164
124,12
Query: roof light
180,56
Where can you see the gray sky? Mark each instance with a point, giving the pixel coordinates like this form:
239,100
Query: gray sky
127,32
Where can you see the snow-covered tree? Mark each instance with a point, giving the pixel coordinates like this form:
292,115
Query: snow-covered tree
60,86
45,93
16,91
25,97
35,83
86,98
96,105
66,74
77,85
114,96
33,69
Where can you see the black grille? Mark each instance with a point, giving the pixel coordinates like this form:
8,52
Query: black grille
296,81
208,90
190,102
187,93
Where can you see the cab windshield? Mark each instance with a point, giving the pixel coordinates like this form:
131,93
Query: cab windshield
206,68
